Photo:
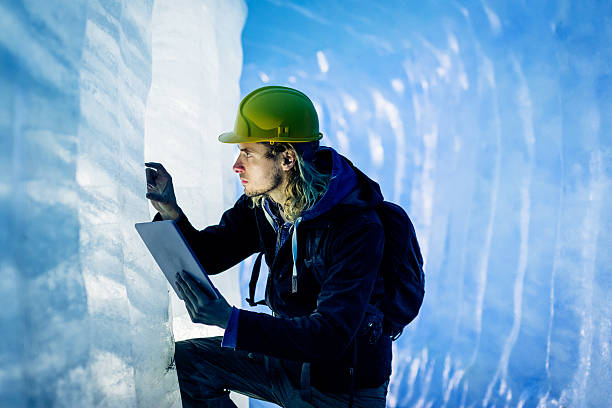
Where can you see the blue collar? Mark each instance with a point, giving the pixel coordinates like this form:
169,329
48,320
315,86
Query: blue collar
274,212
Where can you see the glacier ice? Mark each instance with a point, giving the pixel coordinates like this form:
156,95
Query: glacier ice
197,61
192,77
490,123
86,320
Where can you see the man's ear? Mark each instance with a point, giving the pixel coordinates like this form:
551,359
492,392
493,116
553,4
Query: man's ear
288,160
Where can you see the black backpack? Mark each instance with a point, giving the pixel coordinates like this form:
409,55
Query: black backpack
401,269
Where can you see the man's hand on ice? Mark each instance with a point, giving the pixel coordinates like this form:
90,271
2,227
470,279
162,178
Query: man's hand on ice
160,191
201,307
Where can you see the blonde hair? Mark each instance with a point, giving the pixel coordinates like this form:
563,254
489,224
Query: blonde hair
305,184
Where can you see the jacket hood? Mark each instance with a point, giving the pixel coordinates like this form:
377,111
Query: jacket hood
347,185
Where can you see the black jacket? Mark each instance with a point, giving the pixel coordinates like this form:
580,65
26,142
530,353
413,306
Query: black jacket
339,249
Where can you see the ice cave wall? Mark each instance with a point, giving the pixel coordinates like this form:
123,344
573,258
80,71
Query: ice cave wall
490,123
85,318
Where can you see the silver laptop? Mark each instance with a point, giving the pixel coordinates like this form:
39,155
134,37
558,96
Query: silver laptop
173,254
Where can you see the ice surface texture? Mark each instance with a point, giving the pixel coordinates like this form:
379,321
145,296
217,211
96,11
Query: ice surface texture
197,61
84,317
490,122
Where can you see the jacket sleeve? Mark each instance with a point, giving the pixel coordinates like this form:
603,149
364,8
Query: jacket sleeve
354,259
219,247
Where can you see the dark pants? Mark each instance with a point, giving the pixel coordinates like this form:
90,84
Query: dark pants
207,371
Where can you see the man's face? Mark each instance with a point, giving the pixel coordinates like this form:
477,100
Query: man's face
258,174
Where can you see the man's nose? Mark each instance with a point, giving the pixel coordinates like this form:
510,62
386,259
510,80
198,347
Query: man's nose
238,167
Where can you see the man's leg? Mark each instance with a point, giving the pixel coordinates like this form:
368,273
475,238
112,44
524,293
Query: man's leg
292,396
363,398
206,371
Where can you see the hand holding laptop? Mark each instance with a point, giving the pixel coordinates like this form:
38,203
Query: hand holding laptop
173,254
201,307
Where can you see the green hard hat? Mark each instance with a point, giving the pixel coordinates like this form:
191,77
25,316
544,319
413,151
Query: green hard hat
274,114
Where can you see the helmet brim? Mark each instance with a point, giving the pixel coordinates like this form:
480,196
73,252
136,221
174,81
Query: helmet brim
230,137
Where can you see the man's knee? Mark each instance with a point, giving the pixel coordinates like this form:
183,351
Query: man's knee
189,352
181,348
184,353
195,369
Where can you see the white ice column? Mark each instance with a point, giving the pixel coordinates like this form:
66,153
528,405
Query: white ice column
43,315
131,342
84,317
197,61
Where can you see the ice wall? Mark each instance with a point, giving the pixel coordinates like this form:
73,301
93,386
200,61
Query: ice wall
490,122
130,341
197,61
84,318
40,283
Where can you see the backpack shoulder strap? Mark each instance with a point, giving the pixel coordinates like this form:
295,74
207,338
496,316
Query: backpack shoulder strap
253,282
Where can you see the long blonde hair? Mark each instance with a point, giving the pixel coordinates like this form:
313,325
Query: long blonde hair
305,184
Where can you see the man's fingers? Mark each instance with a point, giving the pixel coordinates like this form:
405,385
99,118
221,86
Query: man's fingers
189,305
179,289
154,165
187,290
190,310
182,287
158,167
187,279
151,177
155,197
193,284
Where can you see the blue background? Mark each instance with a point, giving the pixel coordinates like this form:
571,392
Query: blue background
496,139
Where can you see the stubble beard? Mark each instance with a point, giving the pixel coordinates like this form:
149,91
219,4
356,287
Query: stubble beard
276,179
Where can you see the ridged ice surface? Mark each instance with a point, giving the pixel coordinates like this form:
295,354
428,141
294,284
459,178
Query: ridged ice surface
490,123
84,320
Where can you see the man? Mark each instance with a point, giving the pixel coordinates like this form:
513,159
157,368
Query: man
312,214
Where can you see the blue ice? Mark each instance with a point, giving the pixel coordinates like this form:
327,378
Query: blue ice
489,122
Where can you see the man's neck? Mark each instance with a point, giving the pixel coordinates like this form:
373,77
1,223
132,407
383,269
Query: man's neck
277,209
278,197
278,194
